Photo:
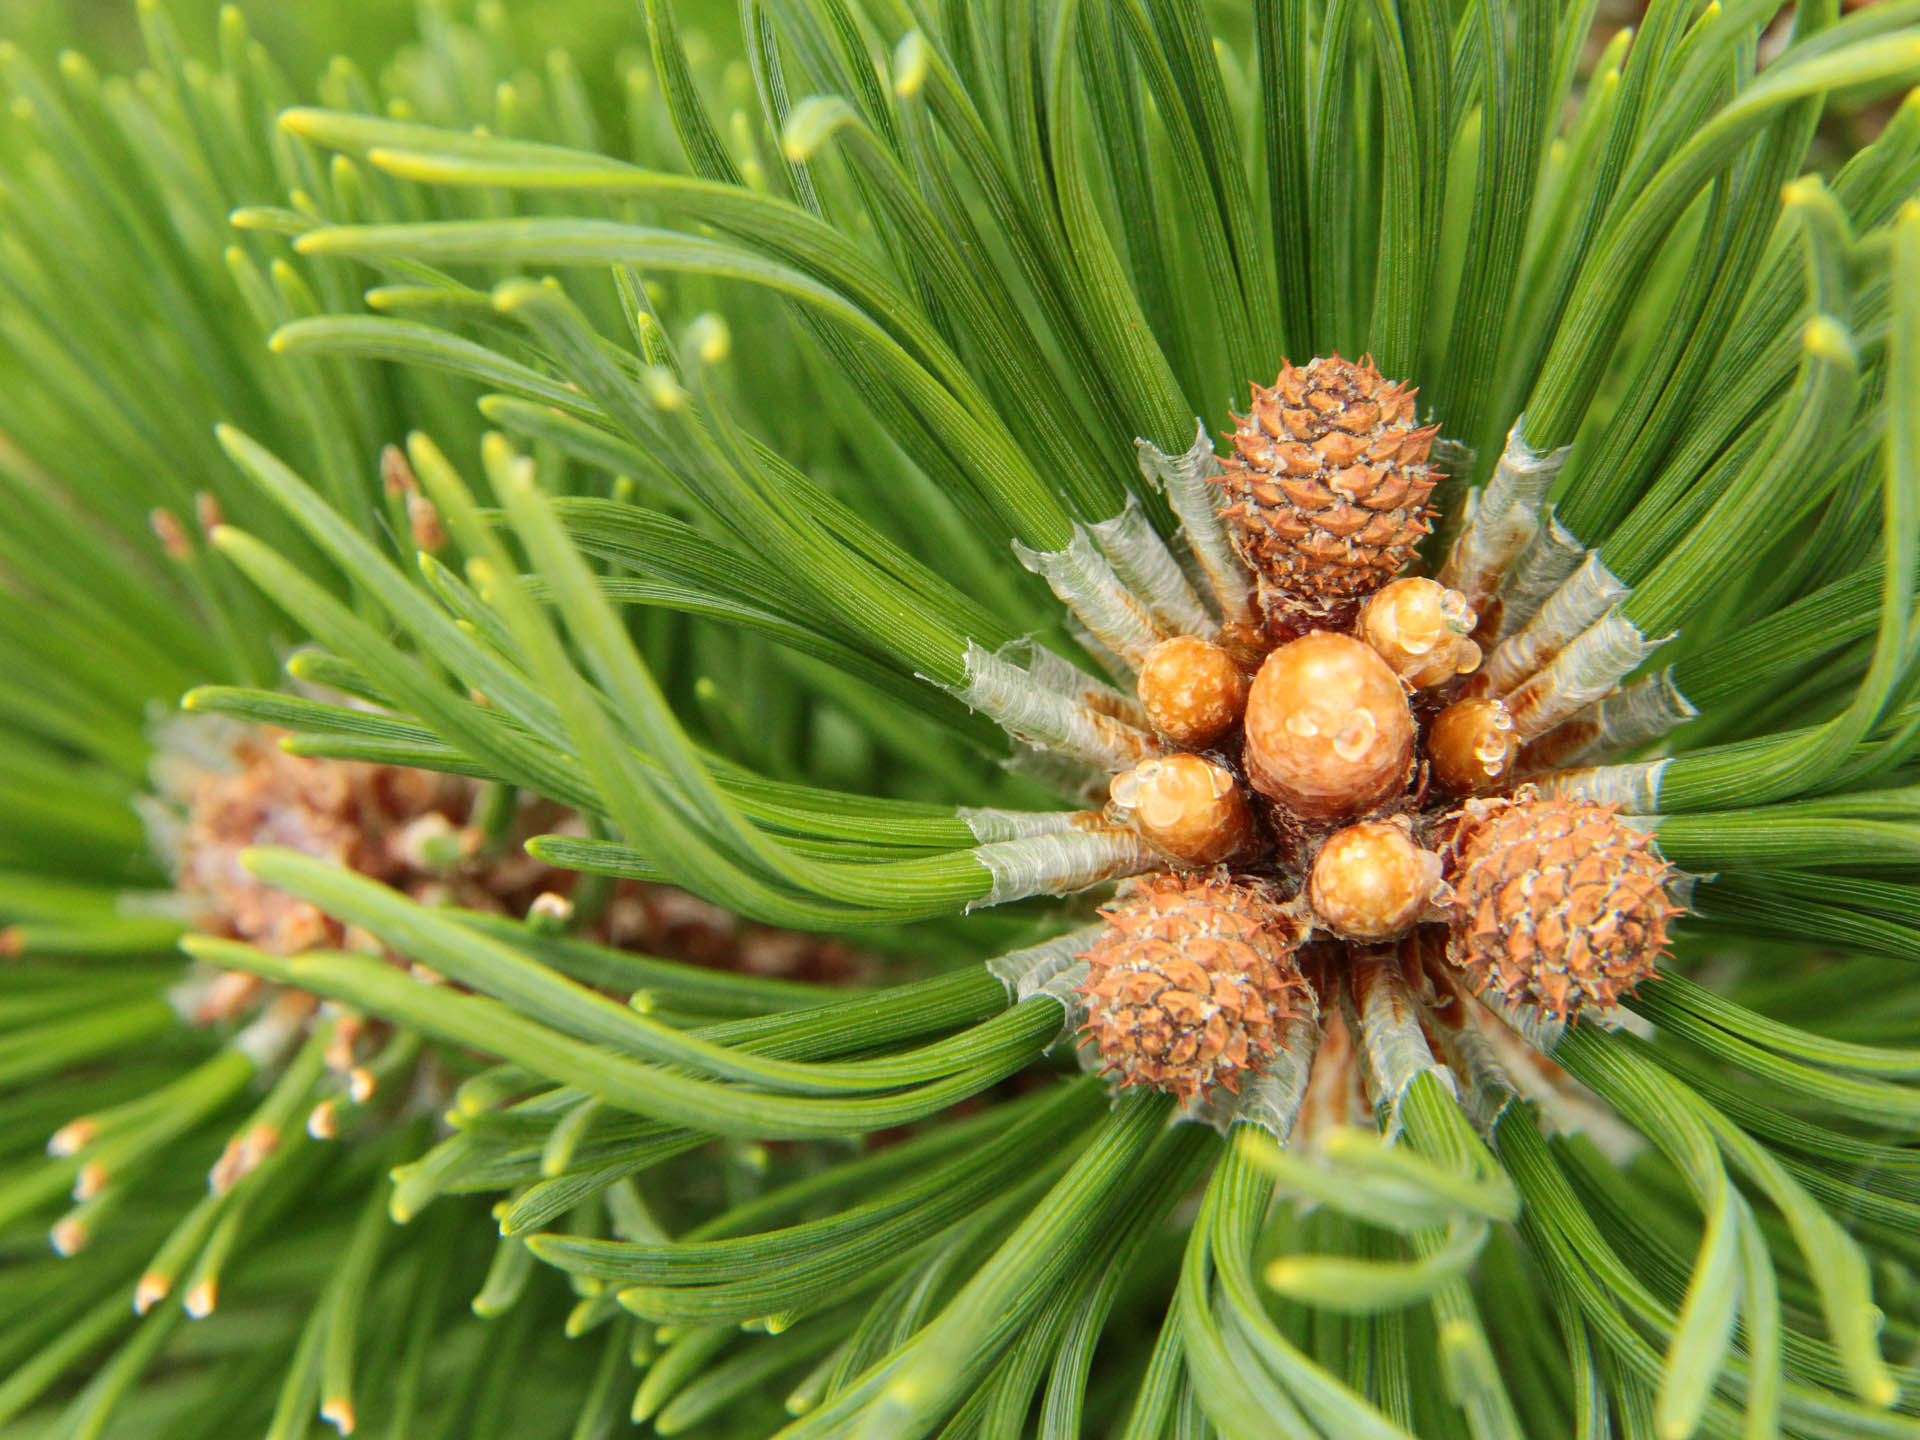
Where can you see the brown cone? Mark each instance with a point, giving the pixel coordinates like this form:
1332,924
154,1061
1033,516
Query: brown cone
1189,984
223,788
1559,904
1327,489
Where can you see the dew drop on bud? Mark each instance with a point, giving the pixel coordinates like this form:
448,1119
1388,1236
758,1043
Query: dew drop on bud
1187,808
1419,627
1470,745
1356,736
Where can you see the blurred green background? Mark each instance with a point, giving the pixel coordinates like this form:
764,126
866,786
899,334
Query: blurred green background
367,30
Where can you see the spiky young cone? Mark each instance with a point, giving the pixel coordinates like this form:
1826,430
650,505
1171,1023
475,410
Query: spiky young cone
1558,904
1327,489
1190,982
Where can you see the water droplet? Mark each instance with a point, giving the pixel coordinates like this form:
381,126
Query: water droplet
1302,724
1125,788
1356,736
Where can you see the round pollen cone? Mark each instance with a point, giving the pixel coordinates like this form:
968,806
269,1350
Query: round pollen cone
1420,628
1371,882
1470,747
1329,731
1187,807
1192,691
